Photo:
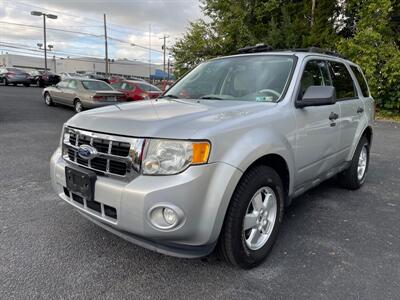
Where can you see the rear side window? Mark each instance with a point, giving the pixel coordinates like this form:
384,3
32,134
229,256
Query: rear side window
361,81
342,81
73,84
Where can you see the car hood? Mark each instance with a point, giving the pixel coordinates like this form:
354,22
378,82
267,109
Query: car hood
166,118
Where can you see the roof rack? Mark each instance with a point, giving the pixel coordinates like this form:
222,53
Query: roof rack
268,48
255,49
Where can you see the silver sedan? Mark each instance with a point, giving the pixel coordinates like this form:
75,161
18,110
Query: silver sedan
82,94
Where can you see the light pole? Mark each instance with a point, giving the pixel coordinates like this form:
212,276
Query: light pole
50,16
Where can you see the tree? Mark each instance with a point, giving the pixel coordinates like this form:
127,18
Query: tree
373,46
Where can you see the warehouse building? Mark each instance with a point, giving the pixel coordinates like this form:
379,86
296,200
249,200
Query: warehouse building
82,65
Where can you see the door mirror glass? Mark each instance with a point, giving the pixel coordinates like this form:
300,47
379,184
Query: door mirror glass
317,96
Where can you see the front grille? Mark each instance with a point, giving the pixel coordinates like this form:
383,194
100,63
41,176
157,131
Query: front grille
119,156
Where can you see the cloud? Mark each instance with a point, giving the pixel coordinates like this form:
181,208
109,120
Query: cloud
127,20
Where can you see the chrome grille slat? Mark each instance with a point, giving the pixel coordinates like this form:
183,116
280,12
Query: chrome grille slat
109,152
116,156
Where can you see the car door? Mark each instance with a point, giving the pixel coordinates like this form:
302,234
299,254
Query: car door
351,103
318,136
57,92
69,92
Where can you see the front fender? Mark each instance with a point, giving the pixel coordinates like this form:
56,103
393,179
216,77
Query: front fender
255,144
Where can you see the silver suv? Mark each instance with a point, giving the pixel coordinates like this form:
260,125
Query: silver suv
212,164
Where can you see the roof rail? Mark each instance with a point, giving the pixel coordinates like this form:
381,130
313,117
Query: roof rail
267,48
256,48
318,50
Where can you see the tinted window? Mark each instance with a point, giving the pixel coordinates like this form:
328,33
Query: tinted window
315,73
96,85
361,81
342,81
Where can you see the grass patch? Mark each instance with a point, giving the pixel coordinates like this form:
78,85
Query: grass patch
388,116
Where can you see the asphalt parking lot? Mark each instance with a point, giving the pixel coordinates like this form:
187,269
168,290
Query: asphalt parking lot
334,243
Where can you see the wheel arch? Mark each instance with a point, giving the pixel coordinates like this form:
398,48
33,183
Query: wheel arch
280,166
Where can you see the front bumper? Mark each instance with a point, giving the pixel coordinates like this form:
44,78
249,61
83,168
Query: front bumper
201,192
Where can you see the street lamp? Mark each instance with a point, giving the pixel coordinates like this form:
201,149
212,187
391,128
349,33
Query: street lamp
50,16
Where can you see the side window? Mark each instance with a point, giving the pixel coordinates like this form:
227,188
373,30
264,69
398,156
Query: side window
63,84
361,81
73,84
315,73
342,81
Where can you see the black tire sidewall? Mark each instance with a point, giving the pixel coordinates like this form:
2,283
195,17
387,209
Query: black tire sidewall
261,176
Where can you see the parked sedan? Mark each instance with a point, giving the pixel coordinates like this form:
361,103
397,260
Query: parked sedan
14,76
44,78
137,90
82,94
96,76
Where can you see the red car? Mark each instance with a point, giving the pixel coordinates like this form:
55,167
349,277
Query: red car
137,90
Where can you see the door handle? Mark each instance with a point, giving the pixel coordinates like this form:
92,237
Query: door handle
360,110
333,116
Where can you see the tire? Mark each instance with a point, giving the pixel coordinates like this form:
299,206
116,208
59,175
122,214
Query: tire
48,100
27,84
354,176
6,81
15,84
78,106
235,243
39,83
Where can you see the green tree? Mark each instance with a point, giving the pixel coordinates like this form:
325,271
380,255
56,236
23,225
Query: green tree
373,46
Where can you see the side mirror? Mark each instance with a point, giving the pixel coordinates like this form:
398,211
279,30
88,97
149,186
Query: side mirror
317,96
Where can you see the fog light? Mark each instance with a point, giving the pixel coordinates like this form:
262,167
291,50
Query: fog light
170,216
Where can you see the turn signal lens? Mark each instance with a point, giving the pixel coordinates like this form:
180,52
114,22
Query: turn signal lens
200,152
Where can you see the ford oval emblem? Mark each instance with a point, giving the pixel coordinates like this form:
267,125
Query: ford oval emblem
87,152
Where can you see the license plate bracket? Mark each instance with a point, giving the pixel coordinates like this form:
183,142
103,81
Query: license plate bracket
81,182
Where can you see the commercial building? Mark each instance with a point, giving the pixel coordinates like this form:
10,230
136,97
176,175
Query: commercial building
121,67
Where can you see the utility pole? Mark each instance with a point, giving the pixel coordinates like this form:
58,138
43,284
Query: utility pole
105,43
149,52
44,40
164,47
55,64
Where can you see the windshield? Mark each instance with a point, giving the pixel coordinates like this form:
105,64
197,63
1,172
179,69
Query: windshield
96,85
260,78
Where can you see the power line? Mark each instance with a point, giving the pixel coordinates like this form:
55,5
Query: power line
81,33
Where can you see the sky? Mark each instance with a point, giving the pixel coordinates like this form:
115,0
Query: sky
128,21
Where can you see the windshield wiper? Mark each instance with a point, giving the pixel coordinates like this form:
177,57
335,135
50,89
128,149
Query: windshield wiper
211,97
170,96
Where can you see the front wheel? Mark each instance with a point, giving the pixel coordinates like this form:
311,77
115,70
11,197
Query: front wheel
48,100
354,176
253,218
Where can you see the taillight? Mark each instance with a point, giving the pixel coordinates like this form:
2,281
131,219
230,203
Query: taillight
98,98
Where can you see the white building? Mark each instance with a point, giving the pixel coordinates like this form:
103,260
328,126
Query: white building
122,67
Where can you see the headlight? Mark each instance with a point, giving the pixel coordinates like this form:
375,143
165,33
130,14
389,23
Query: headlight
167,157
